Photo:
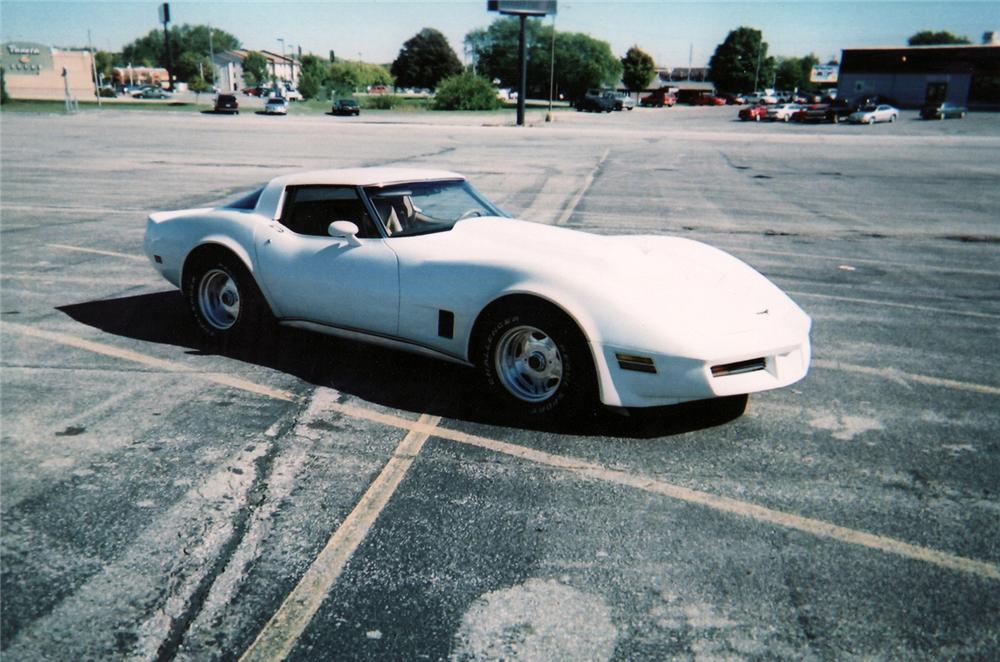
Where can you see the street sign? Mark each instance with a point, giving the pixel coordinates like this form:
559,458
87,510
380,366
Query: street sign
165,12
523,7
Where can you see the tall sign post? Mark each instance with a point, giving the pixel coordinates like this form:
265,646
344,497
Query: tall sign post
165,19
522,9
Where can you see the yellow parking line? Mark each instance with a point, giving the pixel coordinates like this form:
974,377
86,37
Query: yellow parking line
571,207
582,468
892,373
276,640
151,361
94,251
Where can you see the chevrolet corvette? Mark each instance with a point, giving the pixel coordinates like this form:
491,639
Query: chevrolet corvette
554,319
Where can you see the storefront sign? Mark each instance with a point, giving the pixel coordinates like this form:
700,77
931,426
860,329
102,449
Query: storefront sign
20,58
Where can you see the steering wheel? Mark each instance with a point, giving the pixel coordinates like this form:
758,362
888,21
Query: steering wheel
469,214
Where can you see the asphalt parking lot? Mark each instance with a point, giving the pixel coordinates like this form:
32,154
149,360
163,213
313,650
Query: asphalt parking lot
327,500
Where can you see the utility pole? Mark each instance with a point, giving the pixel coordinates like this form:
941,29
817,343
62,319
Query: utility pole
93,63
211,56
165,19
552,68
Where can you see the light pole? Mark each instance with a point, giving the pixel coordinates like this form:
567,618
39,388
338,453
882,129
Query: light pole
522,10
281,40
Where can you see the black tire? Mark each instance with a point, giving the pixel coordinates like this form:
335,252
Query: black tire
228,307
537,363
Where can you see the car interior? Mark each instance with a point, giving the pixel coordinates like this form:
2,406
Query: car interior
310,210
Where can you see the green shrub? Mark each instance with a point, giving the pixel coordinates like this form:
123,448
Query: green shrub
381,101
466,91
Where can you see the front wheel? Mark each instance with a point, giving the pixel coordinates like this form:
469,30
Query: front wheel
537,363
225,302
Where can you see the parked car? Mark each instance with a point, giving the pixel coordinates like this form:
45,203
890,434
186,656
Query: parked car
420,261
227,103
623,100
345,107
251,91
659,99
595,104
782,111
814,112
276,106
706,100
944,110
733,99
872,114
755,113
151,93
840,109
764,97
292,94
378,89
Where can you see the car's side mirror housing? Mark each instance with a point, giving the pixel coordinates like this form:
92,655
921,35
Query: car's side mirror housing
345,230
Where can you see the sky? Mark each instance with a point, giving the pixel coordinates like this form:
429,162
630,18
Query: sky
674,33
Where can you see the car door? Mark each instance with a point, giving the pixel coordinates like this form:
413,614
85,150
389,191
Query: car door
346,282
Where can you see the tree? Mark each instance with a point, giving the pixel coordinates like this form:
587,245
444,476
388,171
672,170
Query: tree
149,49
931,38
105,64
424,60
313,76
466,91
581,61
638,69
794,72
740,63
255,69
346,76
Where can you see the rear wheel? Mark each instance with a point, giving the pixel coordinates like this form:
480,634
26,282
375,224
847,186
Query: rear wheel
536,362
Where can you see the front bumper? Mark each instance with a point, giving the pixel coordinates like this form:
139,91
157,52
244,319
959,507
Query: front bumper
634,378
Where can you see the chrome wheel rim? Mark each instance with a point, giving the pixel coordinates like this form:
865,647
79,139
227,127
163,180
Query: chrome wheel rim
529,364
218,299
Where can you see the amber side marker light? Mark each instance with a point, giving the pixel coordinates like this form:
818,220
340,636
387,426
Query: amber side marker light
636,363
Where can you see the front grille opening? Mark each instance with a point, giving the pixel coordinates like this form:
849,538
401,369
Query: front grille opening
738,368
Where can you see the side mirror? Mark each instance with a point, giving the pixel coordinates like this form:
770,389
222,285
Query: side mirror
344,230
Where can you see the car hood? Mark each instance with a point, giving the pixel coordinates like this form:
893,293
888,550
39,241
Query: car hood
647,282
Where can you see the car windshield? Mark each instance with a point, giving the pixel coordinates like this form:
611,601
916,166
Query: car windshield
423,207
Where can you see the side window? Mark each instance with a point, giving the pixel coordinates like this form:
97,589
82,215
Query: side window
309,210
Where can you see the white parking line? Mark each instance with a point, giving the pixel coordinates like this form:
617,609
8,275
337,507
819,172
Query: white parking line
582,468
276,640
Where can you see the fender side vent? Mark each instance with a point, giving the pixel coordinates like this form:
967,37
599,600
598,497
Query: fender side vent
636,363
446,324
738,368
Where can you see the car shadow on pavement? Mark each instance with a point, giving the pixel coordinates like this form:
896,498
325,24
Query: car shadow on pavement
383,376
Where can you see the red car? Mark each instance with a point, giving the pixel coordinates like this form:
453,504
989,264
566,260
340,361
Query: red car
659,99
707,100
755,113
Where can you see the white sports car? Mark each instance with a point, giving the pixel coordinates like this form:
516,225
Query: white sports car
419,260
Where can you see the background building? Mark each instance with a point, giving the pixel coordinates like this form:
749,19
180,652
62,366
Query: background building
229,69
967,75
35,71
